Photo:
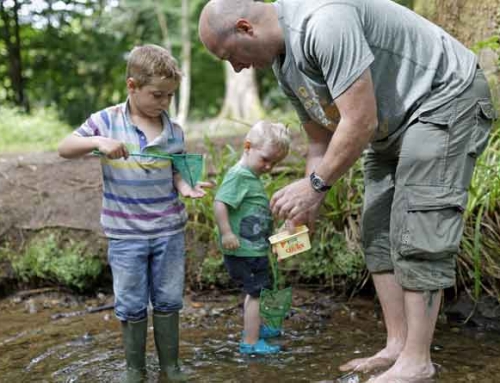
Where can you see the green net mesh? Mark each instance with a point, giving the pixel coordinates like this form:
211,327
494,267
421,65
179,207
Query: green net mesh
275,304
189,165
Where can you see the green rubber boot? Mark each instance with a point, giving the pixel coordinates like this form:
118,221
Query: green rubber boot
134,341
166,331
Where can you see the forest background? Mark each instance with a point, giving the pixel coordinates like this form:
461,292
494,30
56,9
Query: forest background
61,60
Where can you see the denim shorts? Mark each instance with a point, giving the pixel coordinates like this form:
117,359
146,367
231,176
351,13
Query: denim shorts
416,191
147,270
251,274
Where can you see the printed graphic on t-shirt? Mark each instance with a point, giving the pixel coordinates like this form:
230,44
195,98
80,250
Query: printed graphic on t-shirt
319,106
256,228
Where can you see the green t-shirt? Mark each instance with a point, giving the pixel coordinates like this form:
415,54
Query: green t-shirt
249,214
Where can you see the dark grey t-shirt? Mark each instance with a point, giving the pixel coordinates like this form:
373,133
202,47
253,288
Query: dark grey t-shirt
415,65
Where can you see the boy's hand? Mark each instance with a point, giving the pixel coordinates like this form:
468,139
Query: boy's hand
112,148
230,241
186,190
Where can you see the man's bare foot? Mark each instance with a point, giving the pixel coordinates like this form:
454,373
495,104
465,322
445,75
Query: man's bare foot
381,359
406,372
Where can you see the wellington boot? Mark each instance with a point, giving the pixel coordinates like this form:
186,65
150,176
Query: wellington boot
134,341
166,331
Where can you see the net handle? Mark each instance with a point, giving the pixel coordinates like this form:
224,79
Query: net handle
165,157
273,260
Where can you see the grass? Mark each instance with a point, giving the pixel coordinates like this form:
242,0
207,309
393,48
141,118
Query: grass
37,132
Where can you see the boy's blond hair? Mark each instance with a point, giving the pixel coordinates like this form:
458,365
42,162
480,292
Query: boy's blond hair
264,133
147,61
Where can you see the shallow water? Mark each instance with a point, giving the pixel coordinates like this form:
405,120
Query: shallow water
321,334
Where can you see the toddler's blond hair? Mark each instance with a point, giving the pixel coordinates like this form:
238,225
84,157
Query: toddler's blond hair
147,61
264,133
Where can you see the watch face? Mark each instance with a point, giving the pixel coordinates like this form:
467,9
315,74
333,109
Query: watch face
317,183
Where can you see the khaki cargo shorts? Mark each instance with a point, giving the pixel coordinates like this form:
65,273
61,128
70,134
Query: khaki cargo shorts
416,191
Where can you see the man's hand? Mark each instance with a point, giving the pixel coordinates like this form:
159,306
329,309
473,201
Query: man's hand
298,203
230,241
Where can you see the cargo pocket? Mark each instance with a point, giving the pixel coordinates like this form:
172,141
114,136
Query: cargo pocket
485,114
442,117
432,223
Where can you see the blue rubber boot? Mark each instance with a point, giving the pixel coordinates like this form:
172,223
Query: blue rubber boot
259,348
266,332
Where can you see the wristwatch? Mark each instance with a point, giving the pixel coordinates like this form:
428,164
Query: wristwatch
318,184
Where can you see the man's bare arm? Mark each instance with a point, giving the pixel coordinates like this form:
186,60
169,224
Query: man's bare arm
358,122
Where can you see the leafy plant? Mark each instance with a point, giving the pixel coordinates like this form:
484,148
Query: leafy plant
44,259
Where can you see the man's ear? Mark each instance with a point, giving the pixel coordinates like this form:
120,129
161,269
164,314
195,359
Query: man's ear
247,145
244,26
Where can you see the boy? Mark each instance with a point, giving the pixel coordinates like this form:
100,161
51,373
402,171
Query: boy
245,223
142,215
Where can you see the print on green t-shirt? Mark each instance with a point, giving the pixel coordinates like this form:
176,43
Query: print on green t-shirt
248,208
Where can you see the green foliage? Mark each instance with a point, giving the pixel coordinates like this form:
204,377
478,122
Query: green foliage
213,273
39,131
202,219
44,259
330,259
492,43
479,262
74,56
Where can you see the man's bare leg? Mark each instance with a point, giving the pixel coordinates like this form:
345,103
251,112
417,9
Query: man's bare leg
390,295
414,363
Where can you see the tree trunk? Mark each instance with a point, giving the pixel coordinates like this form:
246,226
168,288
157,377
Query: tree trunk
185,89
162,22
12,40
241,101
470,22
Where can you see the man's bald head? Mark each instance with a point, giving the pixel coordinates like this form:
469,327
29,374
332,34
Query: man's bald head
244,32
218,18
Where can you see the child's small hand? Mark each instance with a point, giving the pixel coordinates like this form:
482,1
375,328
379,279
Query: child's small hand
230,241
197,192
112,148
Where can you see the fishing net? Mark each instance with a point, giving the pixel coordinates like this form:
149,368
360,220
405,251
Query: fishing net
190,166
275,303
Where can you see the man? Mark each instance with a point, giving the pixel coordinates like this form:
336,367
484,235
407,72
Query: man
374,75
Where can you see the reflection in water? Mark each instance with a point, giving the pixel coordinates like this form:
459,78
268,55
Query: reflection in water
320,335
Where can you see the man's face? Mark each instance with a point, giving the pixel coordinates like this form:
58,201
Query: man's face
244,51
153,98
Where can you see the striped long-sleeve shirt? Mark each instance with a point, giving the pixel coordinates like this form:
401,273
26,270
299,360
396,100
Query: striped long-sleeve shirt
139,197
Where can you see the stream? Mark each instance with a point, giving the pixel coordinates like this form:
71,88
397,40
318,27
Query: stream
53,337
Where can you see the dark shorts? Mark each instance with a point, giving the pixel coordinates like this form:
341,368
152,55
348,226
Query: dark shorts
416,191
251,274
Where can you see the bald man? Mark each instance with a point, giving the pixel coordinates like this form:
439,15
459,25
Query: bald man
374,77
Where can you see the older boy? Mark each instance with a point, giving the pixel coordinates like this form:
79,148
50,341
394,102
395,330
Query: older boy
141,214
